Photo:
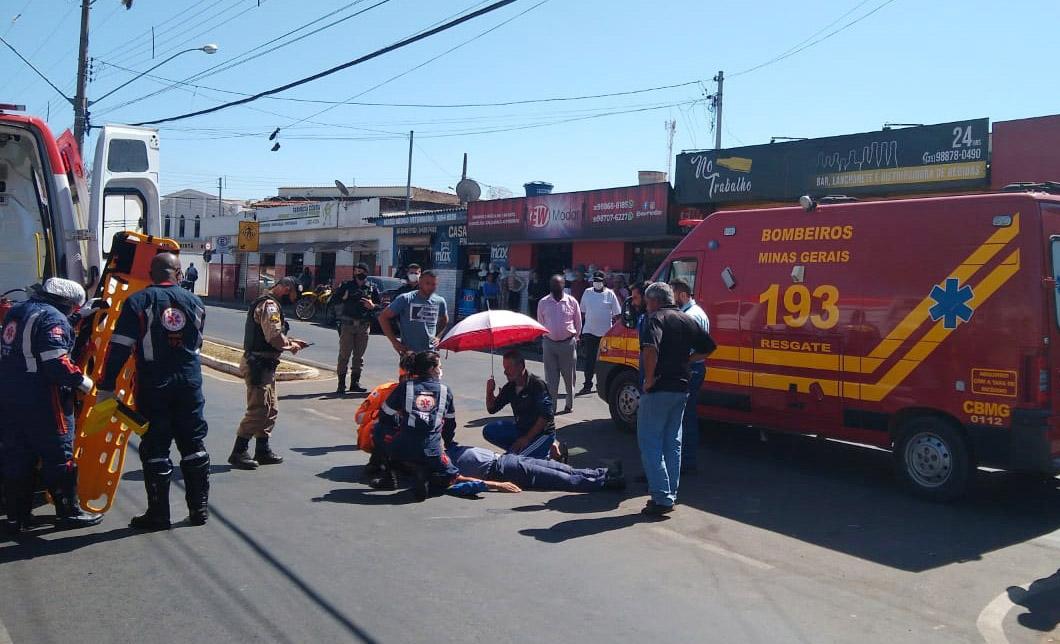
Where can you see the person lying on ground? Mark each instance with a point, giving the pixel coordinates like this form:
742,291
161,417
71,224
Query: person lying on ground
533,473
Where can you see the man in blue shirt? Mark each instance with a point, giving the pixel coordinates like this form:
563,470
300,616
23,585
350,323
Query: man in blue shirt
421,316
698,369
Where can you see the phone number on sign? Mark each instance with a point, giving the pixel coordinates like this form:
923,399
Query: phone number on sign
948,156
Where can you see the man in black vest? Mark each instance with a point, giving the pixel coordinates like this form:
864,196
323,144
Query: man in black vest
163,325
264,339
357,300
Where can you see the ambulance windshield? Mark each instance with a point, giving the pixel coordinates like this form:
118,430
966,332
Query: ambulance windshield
23,208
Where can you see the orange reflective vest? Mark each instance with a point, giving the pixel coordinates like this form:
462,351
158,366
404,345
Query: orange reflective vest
368,413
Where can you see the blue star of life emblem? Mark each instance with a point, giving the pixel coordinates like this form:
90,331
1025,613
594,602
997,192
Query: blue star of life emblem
951,303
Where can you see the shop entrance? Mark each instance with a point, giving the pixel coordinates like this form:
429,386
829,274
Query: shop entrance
326,268
551,260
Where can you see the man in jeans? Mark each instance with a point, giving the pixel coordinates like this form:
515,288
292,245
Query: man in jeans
698,369
669,341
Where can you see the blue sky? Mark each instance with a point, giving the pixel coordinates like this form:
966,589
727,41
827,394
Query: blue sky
915,61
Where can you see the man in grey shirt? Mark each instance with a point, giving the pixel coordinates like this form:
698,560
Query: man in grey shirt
421,316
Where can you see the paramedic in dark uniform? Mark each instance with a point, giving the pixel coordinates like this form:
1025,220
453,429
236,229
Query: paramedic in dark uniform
357,299
37,383
264,339
416,421
162,326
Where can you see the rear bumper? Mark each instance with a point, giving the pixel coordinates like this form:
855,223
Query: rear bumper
1024,447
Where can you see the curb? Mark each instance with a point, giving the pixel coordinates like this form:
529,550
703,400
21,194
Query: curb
305,362
231,368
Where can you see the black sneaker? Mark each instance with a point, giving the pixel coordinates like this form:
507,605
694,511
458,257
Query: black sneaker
651,508
587,388
388,481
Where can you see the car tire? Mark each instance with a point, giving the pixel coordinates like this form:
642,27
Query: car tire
623,399
932,459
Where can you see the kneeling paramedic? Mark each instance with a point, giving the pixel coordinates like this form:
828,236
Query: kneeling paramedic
416,420
162,325
37,383
264,339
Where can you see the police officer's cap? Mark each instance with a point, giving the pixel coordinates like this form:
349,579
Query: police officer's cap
63,291
361,266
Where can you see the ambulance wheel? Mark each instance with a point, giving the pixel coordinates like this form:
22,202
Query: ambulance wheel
623,398
305,308
932,459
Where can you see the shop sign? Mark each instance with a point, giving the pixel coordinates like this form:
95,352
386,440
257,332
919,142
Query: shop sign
617,213
446,248
302,217
930,158
499,255
424,218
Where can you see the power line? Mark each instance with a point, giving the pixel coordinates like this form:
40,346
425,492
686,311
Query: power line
221,67
34,68
337,68
147,35
797,49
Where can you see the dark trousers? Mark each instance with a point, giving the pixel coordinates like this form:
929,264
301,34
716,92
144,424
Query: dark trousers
45,432
540,474
591,347
690,420
174,410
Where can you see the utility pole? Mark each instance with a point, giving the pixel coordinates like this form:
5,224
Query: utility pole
463,173
671,129
81,99
408,184
720,80
219,211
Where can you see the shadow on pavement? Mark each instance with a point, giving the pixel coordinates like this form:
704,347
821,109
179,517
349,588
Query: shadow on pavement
343,474
575,528
324,450
30,545
366,496
1042,601
215,468
314,395
837,496
574,503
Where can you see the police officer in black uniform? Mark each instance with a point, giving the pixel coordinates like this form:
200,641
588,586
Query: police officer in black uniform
357,301
163,325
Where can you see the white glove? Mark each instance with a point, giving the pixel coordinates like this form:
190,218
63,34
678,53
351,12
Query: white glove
86,385
103,395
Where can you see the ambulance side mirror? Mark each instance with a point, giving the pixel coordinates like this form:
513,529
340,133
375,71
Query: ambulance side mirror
629,315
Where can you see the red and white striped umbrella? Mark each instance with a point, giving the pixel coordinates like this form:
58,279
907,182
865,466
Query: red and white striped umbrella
491,330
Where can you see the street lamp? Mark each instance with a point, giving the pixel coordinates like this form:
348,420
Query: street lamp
208,48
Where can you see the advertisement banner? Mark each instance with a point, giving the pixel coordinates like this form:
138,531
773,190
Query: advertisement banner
617,213
446,248
497,219
930,158
301,217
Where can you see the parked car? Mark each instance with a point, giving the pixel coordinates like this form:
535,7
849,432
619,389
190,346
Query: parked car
388,287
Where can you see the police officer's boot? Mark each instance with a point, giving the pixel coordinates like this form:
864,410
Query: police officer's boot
156,482
197,488
18,502
263,454
240,459
68,512
341,389
356,388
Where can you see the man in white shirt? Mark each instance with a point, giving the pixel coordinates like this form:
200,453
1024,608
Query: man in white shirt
600,307
690,421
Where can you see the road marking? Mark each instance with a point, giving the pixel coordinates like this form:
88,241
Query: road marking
321,414
210,374
712,548
991,621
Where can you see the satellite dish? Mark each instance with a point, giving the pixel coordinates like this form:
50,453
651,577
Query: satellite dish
342,188
468,190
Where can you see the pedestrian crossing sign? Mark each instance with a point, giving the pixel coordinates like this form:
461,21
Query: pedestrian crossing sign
248,236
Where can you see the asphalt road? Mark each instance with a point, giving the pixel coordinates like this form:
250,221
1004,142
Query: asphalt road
787,540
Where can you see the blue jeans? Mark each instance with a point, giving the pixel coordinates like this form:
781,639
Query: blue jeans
690,423
659,436
503,433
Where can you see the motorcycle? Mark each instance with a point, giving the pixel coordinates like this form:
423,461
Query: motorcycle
311,302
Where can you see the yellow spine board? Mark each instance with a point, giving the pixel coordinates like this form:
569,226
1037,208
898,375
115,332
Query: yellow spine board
99,445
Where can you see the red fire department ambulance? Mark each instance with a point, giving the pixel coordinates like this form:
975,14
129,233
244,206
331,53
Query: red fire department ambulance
926,326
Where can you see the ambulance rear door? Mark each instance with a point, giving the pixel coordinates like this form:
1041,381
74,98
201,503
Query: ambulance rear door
125,193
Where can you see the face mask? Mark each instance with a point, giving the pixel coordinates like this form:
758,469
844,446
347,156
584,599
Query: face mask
360,278
413,278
